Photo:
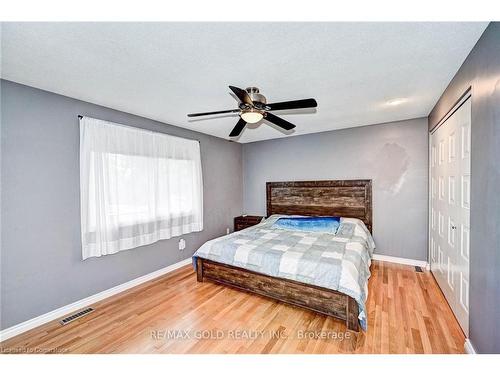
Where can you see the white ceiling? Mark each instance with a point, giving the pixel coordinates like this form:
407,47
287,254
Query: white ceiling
165,70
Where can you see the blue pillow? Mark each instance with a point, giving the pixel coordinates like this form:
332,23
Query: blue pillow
327,224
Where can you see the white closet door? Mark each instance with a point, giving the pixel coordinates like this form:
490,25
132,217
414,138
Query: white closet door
450,210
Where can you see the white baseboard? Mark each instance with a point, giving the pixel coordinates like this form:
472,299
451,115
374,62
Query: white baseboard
469,349
408,262
65,310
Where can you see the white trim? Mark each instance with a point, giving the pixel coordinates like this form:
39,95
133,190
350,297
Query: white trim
469,349
65,310
429,202
408,262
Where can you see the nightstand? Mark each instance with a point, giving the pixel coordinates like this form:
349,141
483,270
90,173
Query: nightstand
242,222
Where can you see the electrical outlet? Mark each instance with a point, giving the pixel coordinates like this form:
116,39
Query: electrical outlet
182,244
227,230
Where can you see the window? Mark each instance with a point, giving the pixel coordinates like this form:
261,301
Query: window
136,187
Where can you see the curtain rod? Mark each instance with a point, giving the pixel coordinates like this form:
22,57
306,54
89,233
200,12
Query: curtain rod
197,140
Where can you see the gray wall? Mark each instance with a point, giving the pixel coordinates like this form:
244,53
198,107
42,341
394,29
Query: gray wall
41,264
481,72
393,155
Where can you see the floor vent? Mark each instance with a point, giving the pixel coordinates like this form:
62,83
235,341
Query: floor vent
418,269
75,316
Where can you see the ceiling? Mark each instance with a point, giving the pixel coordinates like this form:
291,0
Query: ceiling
165,70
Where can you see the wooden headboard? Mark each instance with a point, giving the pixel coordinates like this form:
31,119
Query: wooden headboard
348,198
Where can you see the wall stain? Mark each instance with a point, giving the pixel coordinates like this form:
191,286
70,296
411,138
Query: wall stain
390,167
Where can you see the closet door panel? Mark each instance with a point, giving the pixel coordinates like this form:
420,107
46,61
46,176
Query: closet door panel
449,210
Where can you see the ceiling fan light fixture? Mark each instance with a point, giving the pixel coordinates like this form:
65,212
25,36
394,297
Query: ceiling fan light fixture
253,107
252,116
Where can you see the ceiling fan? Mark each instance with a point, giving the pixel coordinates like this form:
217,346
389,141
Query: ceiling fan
253,107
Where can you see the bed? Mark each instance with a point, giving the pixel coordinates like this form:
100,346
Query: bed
326,273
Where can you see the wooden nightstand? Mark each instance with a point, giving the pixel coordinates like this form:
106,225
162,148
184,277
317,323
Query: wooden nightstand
242,222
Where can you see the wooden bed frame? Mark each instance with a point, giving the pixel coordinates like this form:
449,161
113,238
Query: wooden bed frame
348,198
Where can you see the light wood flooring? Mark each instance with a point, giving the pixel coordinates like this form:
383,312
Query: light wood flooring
407,313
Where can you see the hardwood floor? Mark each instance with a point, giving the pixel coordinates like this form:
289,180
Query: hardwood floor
407,313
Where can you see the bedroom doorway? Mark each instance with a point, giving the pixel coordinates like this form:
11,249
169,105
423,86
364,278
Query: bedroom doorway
450,171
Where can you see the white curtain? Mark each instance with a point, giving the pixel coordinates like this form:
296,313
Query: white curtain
136,187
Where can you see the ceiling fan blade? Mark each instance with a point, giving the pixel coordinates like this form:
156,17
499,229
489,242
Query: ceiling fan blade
279,121
292,104
212,113
242,95
240,125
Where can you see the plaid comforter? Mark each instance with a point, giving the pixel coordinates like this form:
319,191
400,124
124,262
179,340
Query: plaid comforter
338,261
